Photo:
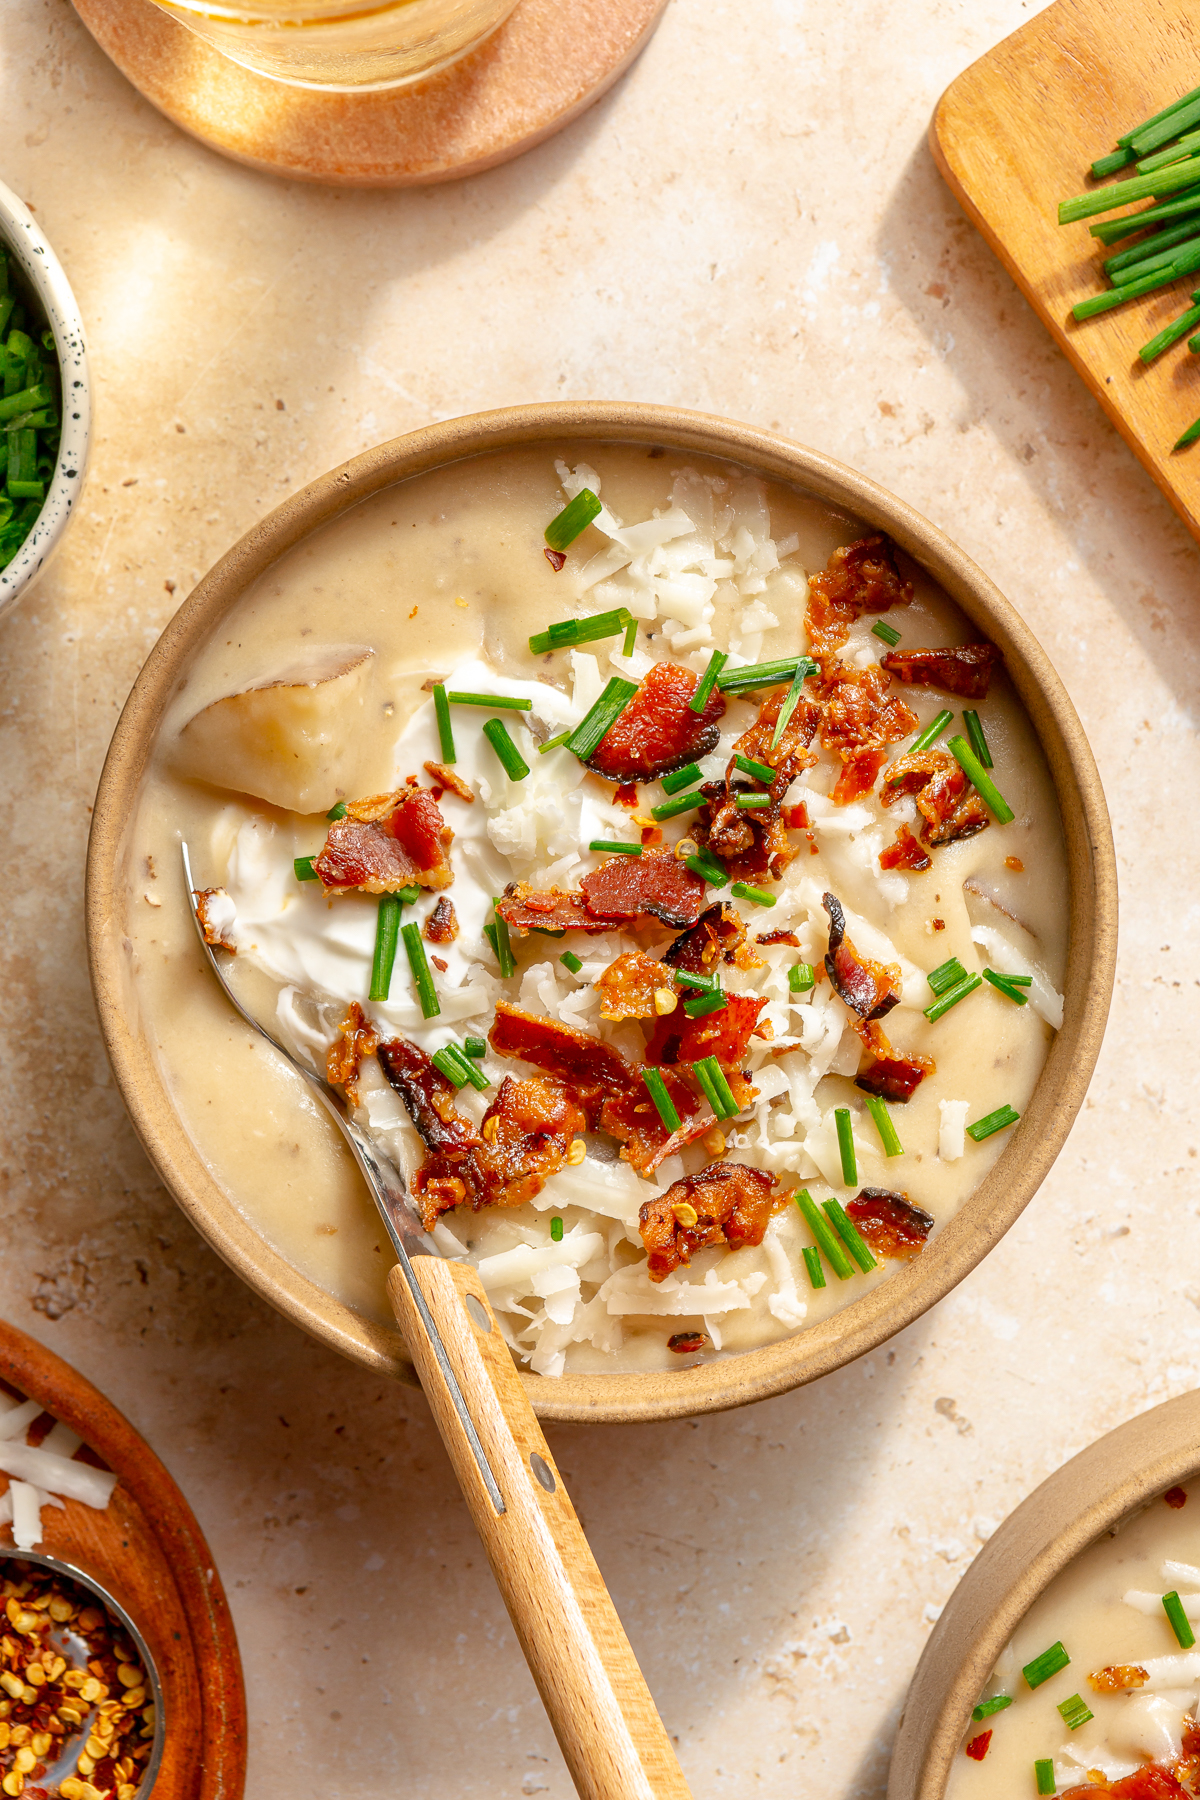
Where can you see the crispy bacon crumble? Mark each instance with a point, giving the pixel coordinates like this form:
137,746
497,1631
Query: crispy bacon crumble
859,578
658,731
441,927
726,1203
386,843
868,988
632,891
890,1224
963,669
357,1039
950,806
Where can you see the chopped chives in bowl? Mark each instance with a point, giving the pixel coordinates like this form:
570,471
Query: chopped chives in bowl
845,1138
848,1231
514,764
574,518
1076,1711
801,977
656,1087
889,634
1180,1624
877,1107
305,867
741,890
952,996
681,778
993,1122
1044,1666
441,708
615,847
681,803
812,1263
414,949
699,699
996,1704
571,961
761,771
600,717
498,702
945,975
568,632
828,1241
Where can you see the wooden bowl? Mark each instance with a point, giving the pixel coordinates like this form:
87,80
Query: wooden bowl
982,1220
147,1550
1088,1496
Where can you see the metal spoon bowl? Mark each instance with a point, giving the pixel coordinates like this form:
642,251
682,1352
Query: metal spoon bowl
72,1646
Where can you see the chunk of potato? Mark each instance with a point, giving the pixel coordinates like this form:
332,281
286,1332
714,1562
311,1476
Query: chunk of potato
303,741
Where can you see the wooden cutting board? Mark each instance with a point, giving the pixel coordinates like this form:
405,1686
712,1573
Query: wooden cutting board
148,1551
1015,134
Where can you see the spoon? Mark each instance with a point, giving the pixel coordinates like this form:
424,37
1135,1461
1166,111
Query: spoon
70,1644
610,1734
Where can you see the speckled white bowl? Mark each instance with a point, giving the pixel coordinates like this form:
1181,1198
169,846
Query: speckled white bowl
43,271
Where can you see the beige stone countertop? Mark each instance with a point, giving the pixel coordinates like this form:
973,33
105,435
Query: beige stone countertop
749,223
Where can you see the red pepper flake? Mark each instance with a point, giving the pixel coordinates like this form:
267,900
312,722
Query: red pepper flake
1175,1497
651,834
939,924
1015,864
626,794
684,1343
796,817
977,1749
556,558
439,965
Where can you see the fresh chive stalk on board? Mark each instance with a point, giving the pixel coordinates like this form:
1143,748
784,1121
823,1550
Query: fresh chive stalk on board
1135,131
1175,122
574,518
1123,193
1170,334
1111,231
1151,246
1157,262
1188,263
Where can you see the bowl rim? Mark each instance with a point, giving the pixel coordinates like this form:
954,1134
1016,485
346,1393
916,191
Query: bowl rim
1113,1478
22,235
908,1292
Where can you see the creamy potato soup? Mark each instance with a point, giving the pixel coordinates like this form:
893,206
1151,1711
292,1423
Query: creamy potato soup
1097,1692
715,937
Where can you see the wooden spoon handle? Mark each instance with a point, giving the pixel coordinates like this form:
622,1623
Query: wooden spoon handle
605,1721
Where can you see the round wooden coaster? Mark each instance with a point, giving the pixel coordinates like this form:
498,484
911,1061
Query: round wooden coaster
540,70
148,1551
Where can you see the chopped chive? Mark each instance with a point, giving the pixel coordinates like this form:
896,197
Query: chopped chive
1044,1666
1111,231
700,1004
423,980
1187,263
1173,124
441,708
789,704
752,802
720,1086
768,674
1019,980
575,517
1157,118
845,1138
1180,1624
986,1708
930,735
952,996
1150,260
741,890
827,1238
945,975
1076,1711
877,1107
630,643
475,1076
681,778
1043,1774
548,930
337,812
498,702
707,1089
812,1262
1189,436
1108,165
761,771
497,936
801,977
600,718
387,930
994,1121
553,743
709,983
980,780
475,1046
849,1234
979,743
681,803
567,632
571,961
1160,240
556,1229
497,735
305,867
615,847
1122,193
656,1087
408,894
699,699
889,634
450,1066
1006,986
708,870
28,399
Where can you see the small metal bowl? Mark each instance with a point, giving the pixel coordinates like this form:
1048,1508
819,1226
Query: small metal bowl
70,1643
43,273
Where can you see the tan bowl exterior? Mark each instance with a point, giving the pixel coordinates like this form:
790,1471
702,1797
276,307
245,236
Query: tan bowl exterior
1082,1500
985,1217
